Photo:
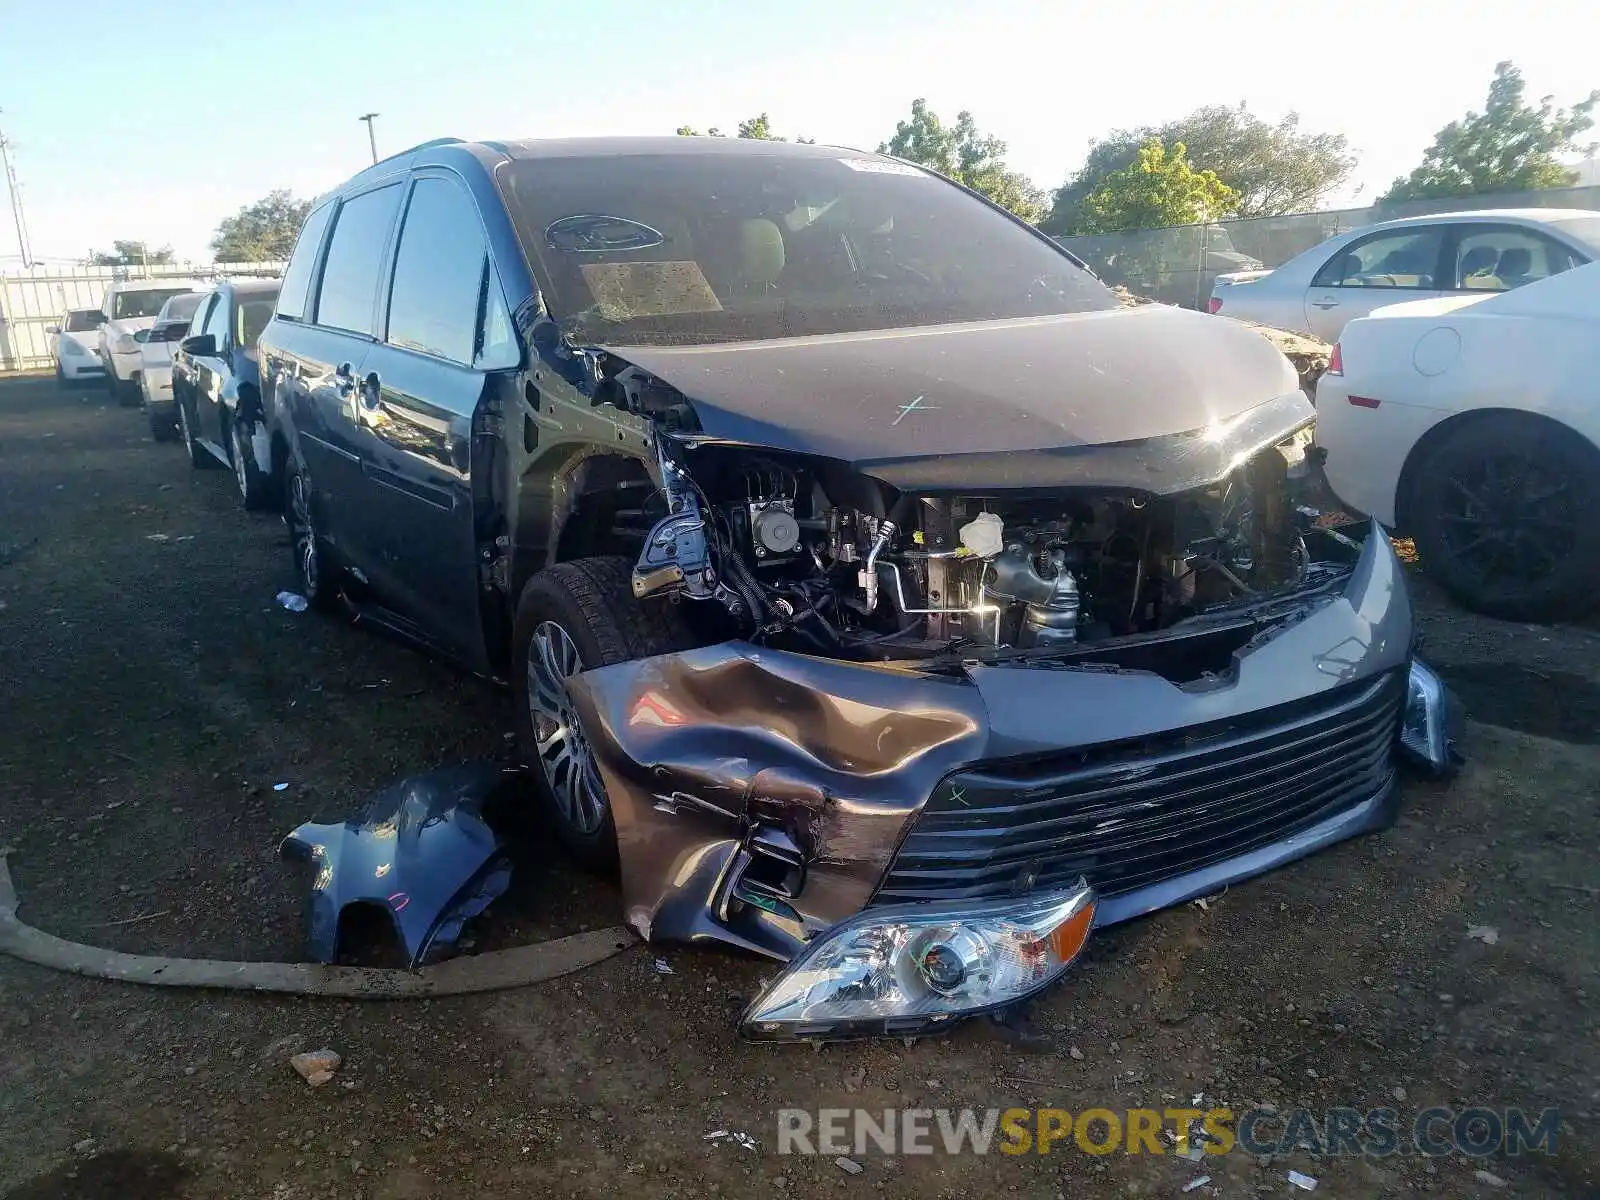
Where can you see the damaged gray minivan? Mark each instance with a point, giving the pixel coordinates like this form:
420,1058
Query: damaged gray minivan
876,593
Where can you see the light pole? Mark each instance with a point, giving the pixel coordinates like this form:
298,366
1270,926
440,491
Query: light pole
371,138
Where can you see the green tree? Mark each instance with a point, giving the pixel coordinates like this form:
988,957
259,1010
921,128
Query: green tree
130,254
758,128
1273,168
1508,147
263,231
960,152
1158,188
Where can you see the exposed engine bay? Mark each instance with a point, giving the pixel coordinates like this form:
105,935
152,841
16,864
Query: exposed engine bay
808,555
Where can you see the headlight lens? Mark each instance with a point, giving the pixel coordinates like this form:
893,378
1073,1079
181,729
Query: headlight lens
1431,723
900,969
125,344
72,349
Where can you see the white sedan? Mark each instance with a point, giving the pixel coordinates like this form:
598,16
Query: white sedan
1414,258
76,346
1471,423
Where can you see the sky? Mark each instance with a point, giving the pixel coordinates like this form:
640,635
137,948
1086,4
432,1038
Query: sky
154,121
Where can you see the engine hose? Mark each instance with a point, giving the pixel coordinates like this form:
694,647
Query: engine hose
748,587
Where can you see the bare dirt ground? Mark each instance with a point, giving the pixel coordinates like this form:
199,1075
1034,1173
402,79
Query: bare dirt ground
154,693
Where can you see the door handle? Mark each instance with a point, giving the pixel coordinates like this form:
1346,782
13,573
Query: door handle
1324,304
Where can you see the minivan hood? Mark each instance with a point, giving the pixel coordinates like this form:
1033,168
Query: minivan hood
1118,397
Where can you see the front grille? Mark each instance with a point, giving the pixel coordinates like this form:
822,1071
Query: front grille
1128,814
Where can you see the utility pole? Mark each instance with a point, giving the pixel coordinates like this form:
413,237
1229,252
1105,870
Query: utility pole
16,201
372,140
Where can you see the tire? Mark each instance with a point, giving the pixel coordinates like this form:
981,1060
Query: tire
316,575
127,393
255,488
589,601
199,457
1503,513
162,428
62,381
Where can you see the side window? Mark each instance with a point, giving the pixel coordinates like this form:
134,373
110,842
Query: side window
1496,258
497,343
438,273
292,299
355,260
197,324
1400,258
217,321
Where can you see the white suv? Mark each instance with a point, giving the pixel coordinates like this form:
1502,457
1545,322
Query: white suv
129,306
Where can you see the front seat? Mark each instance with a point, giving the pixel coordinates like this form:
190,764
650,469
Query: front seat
1477,269
761,256
1515,265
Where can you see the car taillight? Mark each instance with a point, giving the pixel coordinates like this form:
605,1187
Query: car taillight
1335,361
1213,304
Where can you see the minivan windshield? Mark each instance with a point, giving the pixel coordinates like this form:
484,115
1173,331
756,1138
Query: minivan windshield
82,320
696,248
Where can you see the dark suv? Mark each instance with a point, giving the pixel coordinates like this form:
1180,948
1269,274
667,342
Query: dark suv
855,560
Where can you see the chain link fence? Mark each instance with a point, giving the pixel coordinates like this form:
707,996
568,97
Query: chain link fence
33,299
1177,264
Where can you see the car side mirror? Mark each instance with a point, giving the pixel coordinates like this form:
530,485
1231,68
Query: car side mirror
201,345
52,329
141,336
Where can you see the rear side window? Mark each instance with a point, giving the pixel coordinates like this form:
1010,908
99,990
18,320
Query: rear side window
297,276
355,260
438,273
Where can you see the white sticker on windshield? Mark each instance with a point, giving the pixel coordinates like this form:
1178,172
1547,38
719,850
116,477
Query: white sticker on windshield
877,166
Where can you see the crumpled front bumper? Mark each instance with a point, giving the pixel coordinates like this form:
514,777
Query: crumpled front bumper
761,797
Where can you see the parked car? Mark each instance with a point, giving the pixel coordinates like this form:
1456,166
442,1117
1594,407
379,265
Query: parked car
1470,423
216,386
1176,265
75,346
129,306
156,345
1414,258
689,439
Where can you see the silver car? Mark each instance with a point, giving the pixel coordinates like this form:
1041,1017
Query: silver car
1414,258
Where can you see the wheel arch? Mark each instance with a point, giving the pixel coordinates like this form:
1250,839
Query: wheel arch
1405,485
568,511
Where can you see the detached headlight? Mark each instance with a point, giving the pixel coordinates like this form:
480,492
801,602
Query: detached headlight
1431,723
900,969
124,344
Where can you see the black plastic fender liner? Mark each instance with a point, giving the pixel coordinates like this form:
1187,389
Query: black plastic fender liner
491,972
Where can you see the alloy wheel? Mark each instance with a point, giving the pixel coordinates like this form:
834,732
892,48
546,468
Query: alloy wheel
304,532
564,754
1507,519
241,471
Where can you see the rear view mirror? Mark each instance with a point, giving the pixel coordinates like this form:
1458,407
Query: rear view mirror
141,335
201,345
52,329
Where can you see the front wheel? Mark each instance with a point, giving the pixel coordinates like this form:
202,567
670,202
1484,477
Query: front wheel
199,457
255,490
1503,512
311,563
573,617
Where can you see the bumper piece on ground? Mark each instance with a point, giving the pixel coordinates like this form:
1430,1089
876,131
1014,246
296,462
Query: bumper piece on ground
420,852
903,970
